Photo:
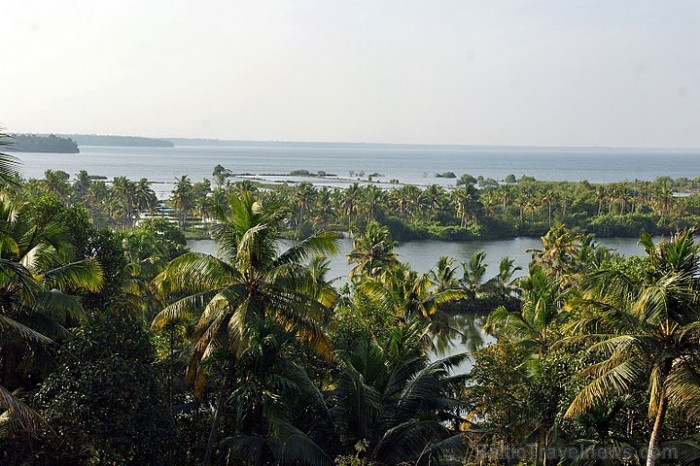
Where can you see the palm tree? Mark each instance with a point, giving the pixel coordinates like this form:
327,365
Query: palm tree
182,199
125,192
56,182
273,395
473,274
535,326
401,292
445,275
373,252
251,282
304,195
560,249
645,328
549,198
503,285
597,422
465,201
372,199
390,404
404,407
324,210
535,330
350,201
145,198
34,267
663,199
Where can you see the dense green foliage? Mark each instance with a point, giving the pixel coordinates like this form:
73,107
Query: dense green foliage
120,347
36,143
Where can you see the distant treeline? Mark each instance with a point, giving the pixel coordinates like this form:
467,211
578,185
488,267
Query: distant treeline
125,141
37,143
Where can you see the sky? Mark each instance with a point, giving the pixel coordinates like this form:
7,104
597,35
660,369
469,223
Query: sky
620,73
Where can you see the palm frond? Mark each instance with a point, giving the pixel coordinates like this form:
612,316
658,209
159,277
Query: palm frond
9,326
86,274
18,413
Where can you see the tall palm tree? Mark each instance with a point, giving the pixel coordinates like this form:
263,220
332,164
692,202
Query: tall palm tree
535,326
445,275
350,201
272,393
535,330
125,191
503,284
644,331
145,198
373,252
560,249
473,274
250,281
465,201
182,199
403,406
35,272
409,296
389,399
304,195
56,182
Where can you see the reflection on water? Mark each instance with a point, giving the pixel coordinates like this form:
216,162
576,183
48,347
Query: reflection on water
471,337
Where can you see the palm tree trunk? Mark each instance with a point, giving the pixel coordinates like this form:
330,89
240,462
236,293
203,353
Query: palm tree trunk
217,415
656,433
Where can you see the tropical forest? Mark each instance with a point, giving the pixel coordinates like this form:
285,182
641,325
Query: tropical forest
121,346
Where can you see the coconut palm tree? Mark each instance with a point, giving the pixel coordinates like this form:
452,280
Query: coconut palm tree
56,182
535,326
304,195
473,274
145,198
389,399
503,285
35,267
445,275
182,199
644,331
466,203
250,282
350,201
373,252
125,192
559,253
401,405
273,394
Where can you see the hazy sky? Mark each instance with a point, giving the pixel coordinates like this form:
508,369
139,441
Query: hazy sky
550,72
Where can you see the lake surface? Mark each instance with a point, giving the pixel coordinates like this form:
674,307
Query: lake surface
423,255
408,164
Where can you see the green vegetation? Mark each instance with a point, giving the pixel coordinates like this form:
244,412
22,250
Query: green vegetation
36,143
120,347
483,209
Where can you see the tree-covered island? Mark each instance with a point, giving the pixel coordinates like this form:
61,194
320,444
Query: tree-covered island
38,143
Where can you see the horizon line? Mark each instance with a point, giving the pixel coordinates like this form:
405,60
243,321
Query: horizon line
366,143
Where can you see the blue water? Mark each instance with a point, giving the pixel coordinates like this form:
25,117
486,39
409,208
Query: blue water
408,164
